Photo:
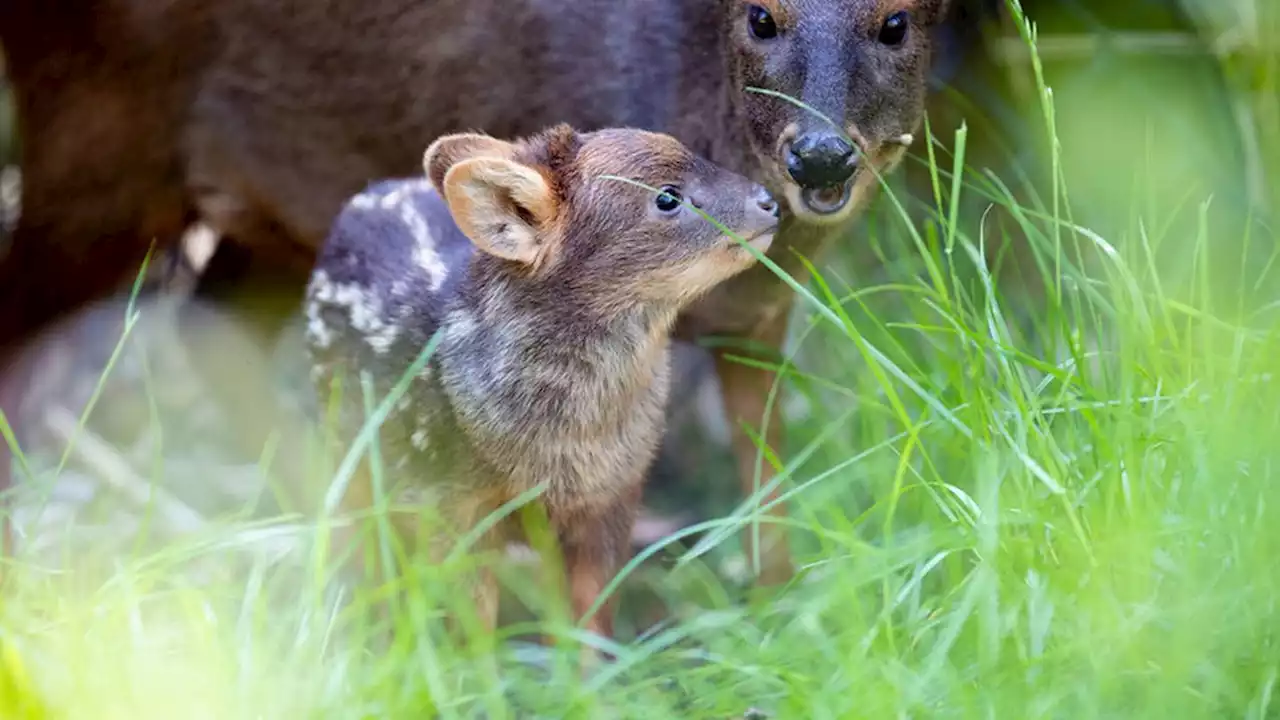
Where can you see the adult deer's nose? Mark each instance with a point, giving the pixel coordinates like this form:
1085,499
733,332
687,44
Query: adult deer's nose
821,160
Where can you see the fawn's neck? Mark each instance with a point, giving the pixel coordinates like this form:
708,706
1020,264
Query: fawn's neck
543,363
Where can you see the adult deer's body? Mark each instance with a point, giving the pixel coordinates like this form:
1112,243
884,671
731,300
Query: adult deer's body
264,116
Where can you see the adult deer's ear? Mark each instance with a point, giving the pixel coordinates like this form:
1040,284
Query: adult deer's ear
936,10
449,150
502,205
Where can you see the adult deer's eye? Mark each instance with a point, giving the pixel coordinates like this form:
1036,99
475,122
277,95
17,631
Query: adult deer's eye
894,29
668,201
761,23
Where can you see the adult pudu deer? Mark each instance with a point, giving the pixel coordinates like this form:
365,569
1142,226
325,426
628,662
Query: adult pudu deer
554,289
264,116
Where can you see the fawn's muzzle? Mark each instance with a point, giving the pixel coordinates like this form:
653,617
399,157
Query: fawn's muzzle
764,201
761,222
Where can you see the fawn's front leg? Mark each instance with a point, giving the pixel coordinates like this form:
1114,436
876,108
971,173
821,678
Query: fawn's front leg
357,535
745,390
594,542
483,583
456,518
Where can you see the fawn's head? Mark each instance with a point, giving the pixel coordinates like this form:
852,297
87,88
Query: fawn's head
860,63
545,206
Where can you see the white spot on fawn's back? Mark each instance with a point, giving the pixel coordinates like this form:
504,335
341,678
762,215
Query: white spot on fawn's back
401,201
318,333
364,311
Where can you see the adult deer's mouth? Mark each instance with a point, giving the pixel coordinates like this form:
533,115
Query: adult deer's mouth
827,200
821,205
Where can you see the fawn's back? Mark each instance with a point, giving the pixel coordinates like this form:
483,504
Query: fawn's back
384,278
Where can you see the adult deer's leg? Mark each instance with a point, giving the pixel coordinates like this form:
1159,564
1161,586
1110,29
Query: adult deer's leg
230,326
746,392
100,178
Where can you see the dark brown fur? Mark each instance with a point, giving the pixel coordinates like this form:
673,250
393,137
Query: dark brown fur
263,116
552,368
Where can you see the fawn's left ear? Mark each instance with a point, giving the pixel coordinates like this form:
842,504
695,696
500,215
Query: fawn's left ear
449,150
502,205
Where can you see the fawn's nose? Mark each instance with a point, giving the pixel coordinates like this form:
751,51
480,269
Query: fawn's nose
764,200
821,160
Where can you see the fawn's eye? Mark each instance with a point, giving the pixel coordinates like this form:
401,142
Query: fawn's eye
668,201
761,23
894,29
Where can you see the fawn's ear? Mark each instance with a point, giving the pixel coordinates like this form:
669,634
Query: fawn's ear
502,205
449,150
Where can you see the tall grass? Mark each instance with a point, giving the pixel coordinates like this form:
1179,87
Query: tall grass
1055,505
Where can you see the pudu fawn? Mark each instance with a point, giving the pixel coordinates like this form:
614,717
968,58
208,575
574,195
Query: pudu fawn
551,366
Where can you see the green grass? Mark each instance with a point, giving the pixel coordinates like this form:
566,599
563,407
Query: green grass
1061,504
